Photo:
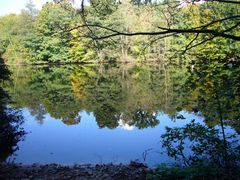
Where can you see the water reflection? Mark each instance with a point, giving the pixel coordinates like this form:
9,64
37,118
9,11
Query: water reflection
115,94
133,98
10,121
213,92
196,144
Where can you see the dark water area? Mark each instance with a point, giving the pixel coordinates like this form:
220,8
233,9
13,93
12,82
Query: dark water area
80,114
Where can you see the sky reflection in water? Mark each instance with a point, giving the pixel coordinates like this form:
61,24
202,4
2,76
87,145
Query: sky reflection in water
114,113
55,142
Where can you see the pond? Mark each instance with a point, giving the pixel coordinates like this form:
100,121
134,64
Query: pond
115,113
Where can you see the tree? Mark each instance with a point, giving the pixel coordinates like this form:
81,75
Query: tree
15,31
224,26
50,39
11,119
207,146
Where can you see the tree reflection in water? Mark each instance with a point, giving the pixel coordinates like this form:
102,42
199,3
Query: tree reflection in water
213,89
134,95
10,121
131,95
206,146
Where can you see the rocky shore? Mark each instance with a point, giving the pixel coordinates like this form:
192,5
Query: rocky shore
131,171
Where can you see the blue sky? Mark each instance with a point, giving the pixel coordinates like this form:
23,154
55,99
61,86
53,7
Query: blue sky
15,6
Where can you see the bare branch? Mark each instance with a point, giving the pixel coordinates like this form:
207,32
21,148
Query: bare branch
168,31
190,43
188,47
198,44
220,1
202,31
234,17
226,1
196,30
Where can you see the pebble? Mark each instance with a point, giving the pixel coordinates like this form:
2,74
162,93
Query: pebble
134,170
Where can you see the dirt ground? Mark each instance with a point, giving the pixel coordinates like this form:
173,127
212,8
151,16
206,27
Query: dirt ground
131,171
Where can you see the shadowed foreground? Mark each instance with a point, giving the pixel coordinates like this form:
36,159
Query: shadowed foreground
55,171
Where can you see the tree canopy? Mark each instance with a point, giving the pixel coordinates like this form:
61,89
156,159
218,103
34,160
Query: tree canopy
124,30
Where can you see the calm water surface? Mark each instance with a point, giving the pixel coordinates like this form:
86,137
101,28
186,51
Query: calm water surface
109,113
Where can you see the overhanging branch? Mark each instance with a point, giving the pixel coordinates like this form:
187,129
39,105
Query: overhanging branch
164,32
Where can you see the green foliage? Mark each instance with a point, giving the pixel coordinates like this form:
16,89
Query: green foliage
194,172
213,89
212,154
15,31
52,33
197,15
206,144
57,34
8,33
81,49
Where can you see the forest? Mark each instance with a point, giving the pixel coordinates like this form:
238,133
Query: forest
123,31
